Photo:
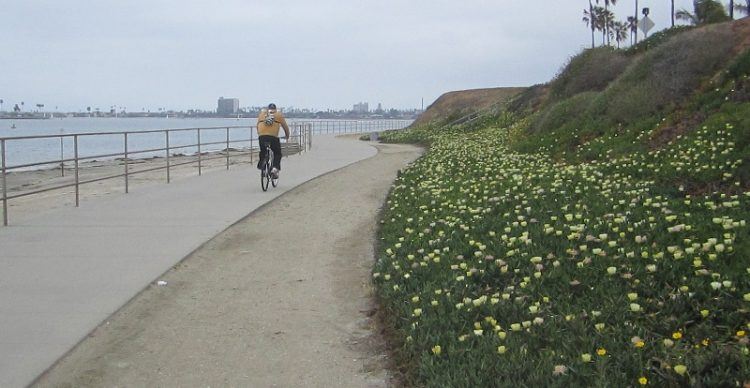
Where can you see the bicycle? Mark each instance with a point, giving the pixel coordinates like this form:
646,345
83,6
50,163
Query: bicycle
265,172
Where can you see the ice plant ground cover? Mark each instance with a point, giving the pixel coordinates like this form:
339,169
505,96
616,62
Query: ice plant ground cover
500,268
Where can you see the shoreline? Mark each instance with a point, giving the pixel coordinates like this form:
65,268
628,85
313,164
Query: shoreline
139,176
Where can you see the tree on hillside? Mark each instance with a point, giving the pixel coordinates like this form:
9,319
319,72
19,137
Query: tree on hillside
619,32
705,12
589,17
609,17
604,19
632,24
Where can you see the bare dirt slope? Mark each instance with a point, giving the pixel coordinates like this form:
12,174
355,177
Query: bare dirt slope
463,102
280,299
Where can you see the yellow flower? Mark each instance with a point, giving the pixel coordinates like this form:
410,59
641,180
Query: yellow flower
601,351
586,357
677,335
741,333
436,350
501,349
680,369
642,380
640,344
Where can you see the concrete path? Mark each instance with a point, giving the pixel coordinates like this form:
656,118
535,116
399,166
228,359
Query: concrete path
64,271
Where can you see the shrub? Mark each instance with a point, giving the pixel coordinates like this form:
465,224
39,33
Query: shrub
740,67
667,75
562,114
592,70
656,39
529,100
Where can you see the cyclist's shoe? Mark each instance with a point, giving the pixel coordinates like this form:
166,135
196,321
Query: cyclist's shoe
275,173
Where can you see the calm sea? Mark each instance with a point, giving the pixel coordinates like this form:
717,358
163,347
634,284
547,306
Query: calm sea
20,152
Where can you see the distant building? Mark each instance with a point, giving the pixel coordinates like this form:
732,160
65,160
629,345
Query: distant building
228,106
362,107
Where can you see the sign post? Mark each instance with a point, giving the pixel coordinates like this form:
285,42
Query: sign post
645,24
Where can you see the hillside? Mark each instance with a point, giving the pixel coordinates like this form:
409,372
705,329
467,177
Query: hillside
453,105
595,233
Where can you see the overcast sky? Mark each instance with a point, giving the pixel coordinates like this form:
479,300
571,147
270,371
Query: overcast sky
183,54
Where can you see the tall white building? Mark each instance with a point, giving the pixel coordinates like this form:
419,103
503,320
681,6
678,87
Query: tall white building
228,106
362,107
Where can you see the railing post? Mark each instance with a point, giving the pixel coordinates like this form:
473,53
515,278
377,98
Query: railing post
5,183
166,135
75,157
127,178
251,145
199,153
227,148
62,157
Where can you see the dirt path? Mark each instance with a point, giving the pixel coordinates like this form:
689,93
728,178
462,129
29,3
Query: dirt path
280,299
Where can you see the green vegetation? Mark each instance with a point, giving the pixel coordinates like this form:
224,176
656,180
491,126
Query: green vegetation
580,238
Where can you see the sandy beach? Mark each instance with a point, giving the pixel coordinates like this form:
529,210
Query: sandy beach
182,166
282,298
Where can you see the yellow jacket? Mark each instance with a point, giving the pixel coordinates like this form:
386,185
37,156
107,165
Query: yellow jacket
273,129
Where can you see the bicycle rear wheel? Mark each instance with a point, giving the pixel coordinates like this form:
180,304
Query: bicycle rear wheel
265,175
274,178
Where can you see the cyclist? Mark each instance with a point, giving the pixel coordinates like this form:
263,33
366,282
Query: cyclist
270,120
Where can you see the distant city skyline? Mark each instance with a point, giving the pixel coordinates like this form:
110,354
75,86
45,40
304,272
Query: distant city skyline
322,55
360,107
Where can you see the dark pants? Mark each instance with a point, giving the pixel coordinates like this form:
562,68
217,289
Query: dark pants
275,147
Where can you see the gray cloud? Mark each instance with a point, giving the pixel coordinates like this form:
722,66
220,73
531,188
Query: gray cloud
185,54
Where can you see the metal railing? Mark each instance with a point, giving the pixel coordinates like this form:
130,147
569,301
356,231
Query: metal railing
207,148
211,143
357,126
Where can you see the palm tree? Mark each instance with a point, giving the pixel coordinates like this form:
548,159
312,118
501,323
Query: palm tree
632,24
620,31
589,17
608,22
706,12
604,19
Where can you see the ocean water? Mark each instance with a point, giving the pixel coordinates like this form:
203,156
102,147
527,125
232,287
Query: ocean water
103,146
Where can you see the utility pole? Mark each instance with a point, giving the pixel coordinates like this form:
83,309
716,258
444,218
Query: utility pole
635,15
